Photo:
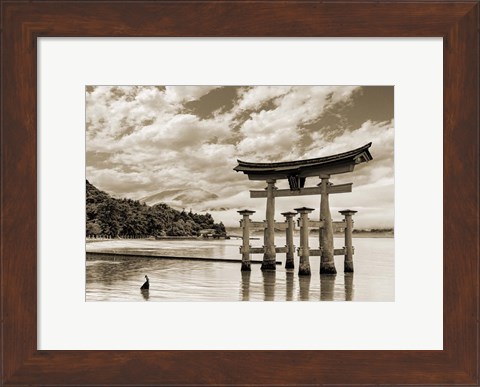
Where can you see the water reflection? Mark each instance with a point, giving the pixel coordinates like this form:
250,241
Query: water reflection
327,286
107,272
145,294
304,284
269,285
245,285
186,280
289,280
348,286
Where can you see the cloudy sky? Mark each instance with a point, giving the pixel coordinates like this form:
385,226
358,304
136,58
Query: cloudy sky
142,140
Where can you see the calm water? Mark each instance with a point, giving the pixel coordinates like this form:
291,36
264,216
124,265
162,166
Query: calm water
180,280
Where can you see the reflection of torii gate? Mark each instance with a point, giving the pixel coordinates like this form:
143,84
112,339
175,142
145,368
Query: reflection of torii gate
296,173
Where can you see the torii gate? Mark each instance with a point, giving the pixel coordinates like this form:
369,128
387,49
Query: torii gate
296,173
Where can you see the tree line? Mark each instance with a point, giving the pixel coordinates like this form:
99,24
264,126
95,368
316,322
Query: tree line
127,218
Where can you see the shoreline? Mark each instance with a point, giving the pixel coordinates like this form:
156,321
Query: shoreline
113,256
254,236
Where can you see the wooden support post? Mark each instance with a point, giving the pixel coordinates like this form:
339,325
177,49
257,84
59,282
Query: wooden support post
304,267
289,262
269,256
246,239
327,263
348,240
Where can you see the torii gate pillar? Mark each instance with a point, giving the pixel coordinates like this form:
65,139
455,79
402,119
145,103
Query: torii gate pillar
269,255
246,239
327,263
348,240
289,262
304,266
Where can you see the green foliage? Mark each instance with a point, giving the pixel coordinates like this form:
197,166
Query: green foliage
219,229
129,218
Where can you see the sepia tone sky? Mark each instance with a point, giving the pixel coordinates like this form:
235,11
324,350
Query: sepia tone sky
142,140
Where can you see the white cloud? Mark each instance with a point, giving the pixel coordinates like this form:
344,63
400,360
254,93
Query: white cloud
151,145
179,94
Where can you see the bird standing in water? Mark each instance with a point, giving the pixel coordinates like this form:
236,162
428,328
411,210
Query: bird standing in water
146,285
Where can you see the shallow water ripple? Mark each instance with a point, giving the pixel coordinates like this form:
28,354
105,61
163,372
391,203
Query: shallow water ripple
187,280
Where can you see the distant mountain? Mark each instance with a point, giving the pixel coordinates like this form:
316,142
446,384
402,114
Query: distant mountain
180,198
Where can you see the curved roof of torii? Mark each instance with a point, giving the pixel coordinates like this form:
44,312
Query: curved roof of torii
328,165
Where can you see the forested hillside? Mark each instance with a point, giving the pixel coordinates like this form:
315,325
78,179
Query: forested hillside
107,216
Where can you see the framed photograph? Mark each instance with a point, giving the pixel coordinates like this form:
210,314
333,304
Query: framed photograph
169,211
169,169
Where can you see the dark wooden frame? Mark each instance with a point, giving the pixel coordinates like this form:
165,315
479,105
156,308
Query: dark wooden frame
24,21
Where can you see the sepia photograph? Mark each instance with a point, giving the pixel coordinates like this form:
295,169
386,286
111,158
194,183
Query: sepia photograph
178,177
239,193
